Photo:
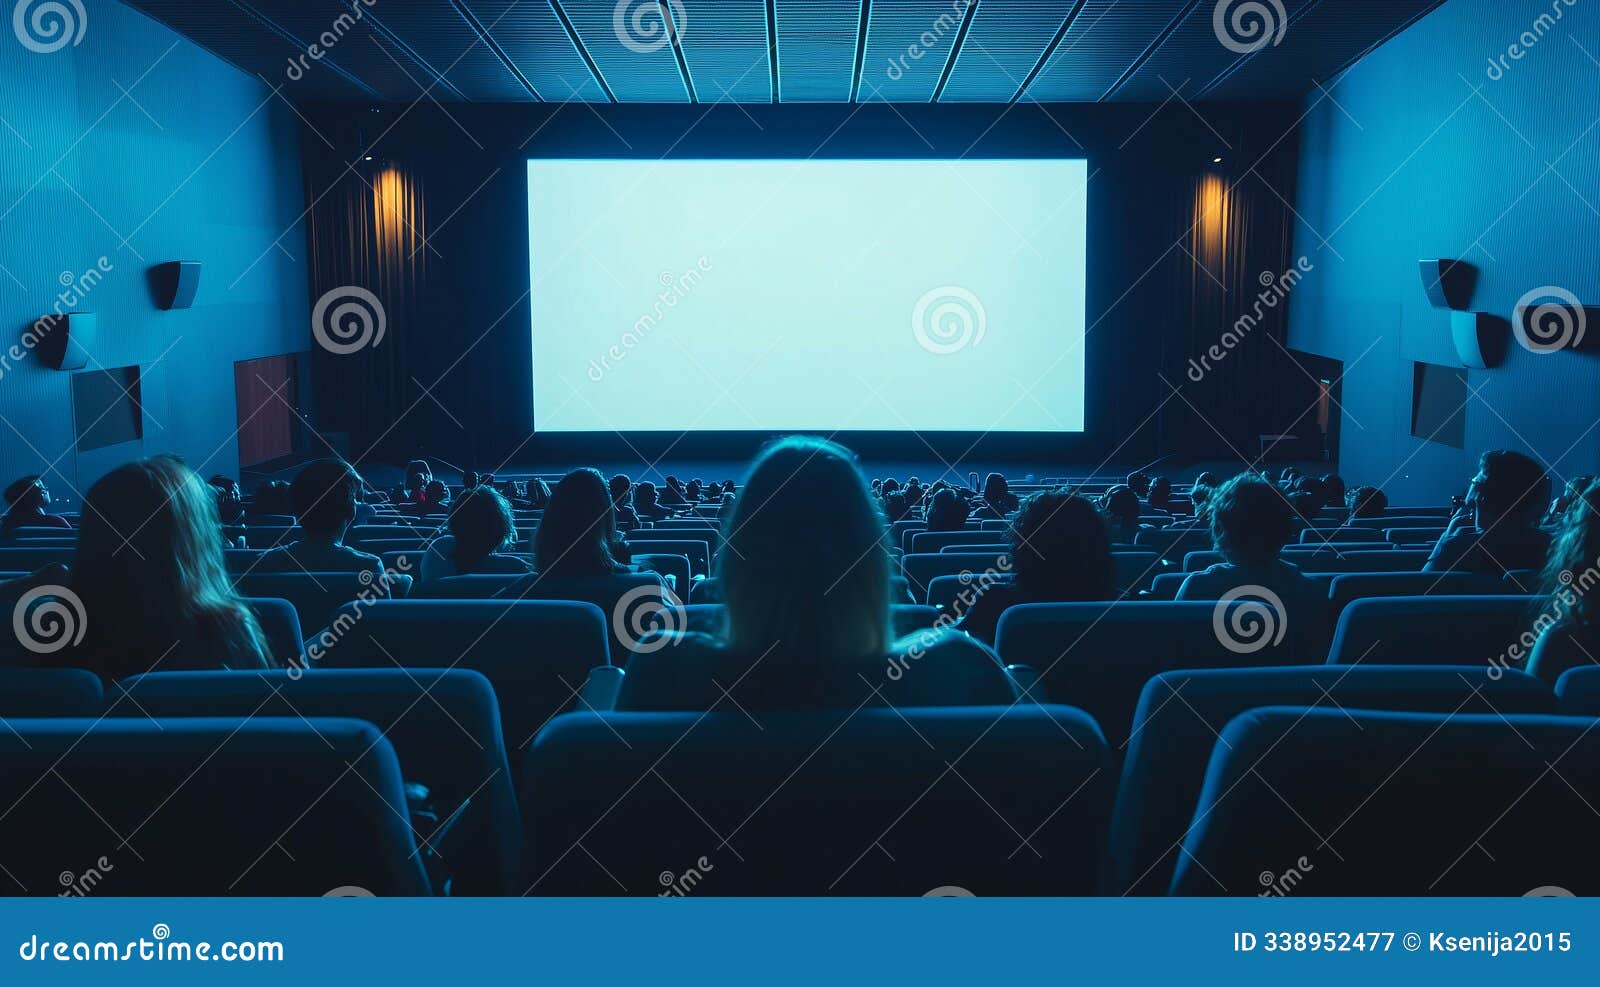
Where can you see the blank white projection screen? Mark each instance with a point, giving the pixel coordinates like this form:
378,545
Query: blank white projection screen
692,295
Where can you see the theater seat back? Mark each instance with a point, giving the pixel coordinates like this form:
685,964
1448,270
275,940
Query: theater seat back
186,807
1099,656
875,802
1358,802
536,653
1349,587
444,727
1180,715
1430,630
49,692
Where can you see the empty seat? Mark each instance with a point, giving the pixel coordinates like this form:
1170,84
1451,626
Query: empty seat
19,558
1579,691
1376,803
256,806
536,653
49,692
1098,656
1180,715
258,535
1430,630
833,802
444,727
1348,587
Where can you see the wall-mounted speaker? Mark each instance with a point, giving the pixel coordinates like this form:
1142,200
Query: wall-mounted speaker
1449,283
64,341
174,283
1480,338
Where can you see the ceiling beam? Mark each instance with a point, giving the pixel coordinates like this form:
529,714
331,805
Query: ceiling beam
1049,50
583,51
494,46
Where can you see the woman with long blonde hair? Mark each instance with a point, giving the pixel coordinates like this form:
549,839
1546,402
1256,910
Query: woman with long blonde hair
150,577
805,570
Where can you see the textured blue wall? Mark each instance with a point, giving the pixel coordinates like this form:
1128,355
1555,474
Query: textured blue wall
197,161
1426,150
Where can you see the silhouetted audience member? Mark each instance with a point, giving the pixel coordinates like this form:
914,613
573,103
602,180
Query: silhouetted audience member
691,493
482,531
1251,521
645,504
271,501
1333,491
1366,503
895,507
1121,505
417,475
149,573
1139,483
1570,494
325,495
26,501
1568,625
997,496
947,511
805,575
1497,530
1060,553
1159,499
622,501
578,539
230,501
672,495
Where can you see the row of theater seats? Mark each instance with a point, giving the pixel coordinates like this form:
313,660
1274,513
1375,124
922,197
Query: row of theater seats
1360,780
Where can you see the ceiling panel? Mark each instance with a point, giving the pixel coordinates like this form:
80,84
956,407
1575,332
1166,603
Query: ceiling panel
1198,52
439,36
904,51
817,49
1004,45
349,40
1329,36
908,46
232,33
726,48
532,36
1103,41
630,42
